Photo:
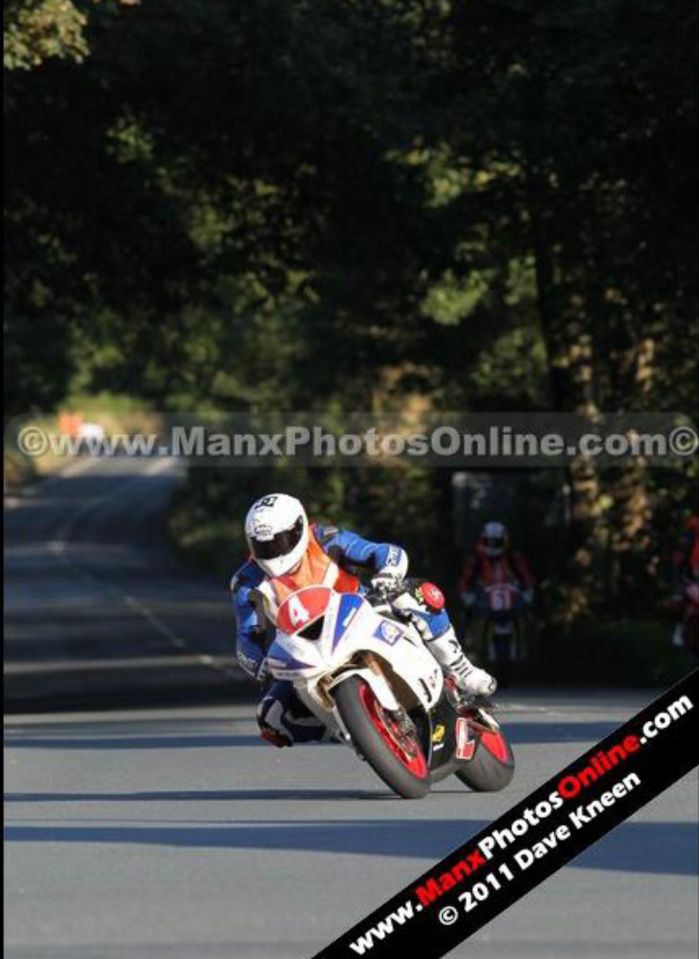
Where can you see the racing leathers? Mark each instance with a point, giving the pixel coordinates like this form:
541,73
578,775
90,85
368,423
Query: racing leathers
480,571
334,558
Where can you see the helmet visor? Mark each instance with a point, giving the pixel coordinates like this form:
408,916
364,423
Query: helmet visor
279,545
494,542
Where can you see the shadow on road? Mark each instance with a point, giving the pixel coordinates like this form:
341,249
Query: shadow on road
133,742
518,733
99,611
666,848
190,795
558,731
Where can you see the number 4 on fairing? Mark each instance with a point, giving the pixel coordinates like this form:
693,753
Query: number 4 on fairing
298,614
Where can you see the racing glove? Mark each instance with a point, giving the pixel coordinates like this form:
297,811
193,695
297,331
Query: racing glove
386,581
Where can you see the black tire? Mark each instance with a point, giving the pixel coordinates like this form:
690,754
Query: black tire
486,773
369,742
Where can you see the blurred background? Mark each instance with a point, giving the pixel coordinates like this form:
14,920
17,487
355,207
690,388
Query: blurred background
353,206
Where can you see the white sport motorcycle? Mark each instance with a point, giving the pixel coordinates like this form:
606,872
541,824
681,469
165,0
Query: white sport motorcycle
369,679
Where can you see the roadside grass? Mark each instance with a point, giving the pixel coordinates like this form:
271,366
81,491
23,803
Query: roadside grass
205,546
115,413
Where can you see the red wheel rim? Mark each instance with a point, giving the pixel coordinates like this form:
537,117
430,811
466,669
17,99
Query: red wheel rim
496,744
416,764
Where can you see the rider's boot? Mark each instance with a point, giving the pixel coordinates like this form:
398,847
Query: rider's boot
471,680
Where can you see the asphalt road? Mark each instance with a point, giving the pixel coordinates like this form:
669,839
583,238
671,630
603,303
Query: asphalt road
96,609
178,834
175,832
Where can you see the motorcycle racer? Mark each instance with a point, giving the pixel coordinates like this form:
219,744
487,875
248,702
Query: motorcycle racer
288,553
685,599
494,562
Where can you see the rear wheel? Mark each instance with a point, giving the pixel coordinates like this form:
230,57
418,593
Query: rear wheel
395,757
492,766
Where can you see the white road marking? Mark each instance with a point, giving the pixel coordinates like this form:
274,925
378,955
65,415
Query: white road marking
60,548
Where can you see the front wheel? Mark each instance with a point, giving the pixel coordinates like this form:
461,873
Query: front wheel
493,765
396,758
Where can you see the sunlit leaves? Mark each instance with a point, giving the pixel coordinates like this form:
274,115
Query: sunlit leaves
37,30
451,300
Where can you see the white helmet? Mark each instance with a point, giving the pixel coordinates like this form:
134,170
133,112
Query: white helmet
494,539
276,529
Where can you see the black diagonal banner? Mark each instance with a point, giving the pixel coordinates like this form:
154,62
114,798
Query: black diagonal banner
576,807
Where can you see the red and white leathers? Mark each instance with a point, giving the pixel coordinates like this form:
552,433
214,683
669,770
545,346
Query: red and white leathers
480,571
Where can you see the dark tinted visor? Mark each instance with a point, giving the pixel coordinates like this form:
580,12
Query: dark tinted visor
494,542
281,544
